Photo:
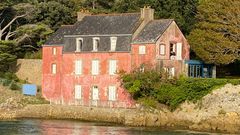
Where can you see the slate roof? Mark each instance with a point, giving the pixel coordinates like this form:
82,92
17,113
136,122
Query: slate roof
152,31
106,24
58,37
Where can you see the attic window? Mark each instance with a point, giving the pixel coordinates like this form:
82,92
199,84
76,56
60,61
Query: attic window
113,43
96,42
79,44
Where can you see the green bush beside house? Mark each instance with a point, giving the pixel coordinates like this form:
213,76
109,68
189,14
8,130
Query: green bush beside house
151,87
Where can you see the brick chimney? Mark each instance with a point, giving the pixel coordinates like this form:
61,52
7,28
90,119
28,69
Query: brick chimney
82,14
147,15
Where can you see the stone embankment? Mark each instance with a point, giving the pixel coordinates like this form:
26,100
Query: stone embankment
216,112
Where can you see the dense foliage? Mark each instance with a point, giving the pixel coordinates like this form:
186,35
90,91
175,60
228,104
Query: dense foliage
156,87
216,38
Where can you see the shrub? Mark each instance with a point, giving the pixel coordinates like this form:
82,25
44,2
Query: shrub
172,92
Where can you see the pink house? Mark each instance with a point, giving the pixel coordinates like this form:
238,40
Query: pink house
80,61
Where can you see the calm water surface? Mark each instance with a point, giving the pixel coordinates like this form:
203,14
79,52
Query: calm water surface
65,127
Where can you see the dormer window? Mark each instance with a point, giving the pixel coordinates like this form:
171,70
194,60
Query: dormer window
96,42
79,44
113,43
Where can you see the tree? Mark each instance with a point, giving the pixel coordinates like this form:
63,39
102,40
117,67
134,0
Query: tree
53,14
216,37
8,51
183,11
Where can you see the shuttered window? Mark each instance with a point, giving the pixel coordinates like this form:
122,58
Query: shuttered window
78,92
142,49
112,93
78,67
179,51
54,68
113,43
112,67
95,67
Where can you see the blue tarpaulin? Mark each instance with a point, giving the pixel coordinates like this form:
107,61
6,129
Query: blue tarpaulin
29,89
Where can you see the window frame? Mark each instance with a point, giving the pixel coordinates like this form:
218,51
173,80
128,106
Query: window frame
160,49
113,44
142,49
95,45
110,98
80,69
53,68
110,70
78,45
54,51
98,69
75,89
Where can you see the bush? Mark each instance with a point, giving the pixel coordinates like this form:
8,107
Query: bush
172,92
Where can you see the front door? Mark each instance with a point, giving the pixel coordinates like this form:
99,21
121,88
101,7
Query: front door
95,93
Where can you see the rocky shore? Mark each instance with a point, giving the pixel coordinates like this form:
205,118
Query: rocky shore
216,112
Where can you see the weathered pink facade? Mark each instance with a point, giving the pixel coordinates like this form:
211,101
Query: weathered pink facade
59,88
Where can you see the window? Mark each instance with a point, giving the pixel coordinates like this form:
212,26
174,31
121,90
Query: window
78,67
95,95
162,49
142,68
54,68
96,42
79,44
95,67
172,50
112,67
54,51
78,91
142,49
113,43
112,93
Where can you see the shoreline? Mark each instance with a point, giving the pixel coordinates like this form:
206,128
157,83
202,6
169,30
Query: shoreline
126,117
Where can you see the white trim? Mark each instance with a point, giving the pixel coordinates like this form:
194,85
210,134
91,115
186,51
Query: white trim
95,45
78,91
112,67
54,68
78,45
78,67
142,49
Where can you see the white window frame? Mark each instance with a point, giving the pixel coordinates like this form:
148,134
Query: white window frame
95,68
162,49
54,51
113,43
78,67
112,67
179,51
78,45
95,45
95,97
112,93
78,92
54,68
142,49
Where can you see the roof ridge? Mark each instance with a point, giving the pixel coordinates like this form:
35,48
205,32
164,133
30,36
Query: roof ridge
114,14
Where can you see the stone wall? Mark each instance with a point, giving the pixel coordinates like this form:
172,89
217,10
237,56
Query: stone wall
30,70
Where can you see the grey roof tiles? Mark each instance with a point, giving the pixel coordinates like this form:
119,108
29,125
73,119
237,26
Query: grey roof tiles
152,31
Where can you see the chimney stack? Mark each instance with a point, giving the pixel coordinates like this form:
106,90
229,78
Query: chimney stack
147,13
82,14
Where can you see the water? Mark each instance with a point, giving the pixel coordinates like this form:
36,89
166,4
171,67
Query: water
65,127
